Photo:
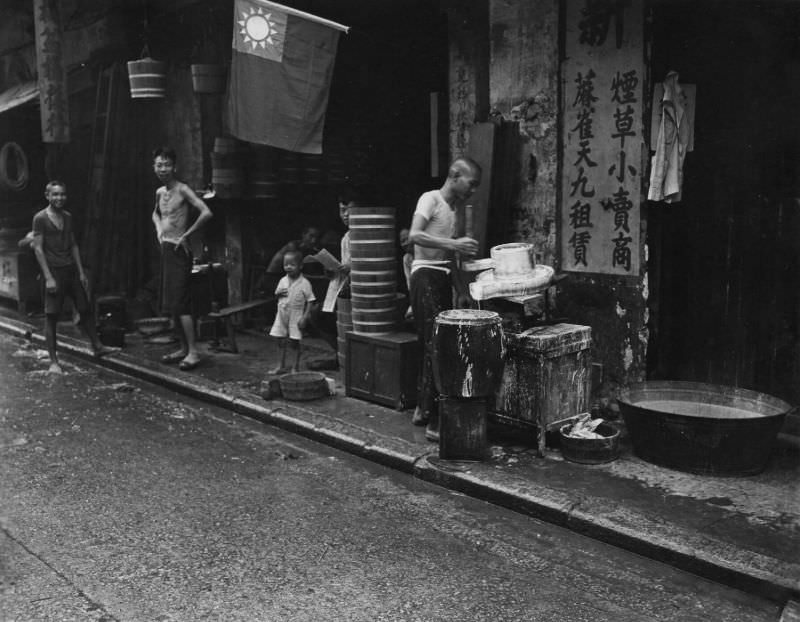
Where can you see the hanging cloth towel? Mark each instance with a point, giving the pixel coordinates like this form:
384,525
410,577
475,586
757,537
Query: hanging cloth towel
666,171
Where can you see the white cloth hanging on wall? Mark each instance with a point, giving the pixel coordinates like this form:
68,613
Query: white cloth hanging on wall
674,133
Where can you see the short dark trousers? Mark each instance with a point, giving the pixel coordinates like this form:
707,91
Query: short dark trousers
68,285
176,274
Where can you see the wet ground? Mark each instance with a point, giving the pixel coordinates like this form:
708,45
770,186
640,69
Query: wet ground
742,531
122,500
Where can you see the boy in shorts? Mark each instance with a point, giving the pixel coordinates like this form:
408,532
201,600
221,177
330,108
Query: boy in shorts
59,258
295,303
174,201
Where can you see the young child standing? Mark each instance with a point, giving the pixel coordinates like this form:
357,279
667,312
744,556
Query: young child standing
59,258
295,302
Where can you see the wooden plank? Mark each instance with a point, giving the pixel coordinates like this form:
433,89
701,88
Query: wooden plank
233,309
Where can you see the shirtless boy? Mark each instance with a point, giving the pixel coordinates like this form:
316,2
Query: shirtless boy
174,201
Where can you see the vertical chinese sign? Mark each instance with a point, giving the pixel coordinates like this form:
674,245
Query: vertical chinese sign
52,79
603,81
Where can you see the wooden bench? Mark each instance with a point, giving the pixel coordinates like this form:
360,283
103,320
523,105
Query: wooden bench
227,315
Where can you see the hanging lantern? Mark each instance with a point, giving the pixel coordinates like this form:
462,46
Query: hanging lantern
148,78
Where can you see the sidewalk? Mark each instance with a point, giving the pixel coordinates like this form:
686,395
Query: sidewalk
743,532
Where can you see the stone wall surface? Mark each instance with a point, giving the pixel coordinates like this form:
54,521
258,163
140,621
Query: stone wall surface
523,87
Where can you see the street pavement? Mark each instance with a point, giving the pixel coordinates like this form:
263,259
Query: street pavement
743,532
122,500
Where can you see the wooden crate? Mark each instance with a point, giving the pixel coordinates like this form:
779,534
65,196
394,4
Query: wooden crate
383,368
18,278
547,377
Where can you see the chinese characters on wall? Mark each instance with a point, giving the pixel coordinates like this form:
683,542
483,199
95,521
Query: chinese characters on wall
52,76
603,94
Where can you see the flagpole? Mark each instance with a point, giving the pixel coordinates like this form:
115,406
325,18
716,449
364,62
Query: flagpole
308,16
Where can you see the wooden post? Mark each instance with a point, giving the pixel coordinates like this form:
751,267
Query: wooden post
53,94
233,251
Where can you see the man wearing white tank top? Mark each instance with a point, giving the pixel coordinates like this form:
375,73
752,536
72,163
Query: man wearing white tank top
433,230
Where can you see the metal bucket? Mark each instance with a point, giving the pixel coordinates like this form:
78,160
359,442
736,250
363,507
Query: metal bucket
702,428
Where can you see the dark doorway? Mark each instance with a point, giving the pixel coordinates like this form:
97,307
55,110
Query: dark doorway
724,261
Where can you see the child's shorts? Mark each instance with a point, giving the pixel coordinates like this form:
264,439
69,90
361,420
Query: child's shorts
68,285
286,323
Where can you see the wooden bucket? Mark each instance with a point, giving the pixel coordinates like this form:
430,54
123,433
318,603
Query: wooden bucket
378,321
264,181
148,78
313,171
227,175
226,144
373,289
291,168
208,78
371,266
344,323
468,352
336,169
462,429
228,167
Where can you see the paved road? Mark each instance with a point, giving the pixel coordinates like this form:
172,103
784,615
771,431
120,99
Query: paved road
121,501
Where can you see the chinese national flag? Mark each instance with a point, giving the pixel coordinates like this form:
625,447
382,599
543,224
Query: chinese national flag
280,75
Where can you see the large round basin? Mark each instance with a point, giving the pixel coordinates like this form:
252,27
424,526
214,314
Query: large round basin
702,428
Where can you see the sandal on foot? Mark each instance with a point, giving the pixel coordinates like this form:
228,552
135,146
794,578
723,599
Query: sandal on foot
173,357
188,364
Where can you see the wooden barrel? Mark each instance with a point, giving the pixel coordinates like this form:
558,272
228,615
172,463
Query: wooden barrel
226,144
313,171
228,168
344,323
208,78
462,429
335,169
291,168
264,182
148,78
227,176
111,311
468,352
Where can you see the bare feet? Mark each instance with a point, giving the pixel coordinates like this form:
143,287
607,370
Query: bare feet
55,368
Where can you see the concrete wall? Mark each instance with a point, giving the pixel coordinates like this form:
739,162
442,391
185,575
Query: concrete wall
523,85
468,25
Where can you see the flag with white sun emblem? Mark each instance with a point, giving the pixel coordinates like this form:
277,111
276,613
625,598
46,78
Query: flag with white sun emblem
281,71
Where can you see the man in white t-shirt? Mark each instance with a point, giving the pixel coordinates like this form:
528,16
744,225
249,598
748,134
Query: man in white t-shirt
433,230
